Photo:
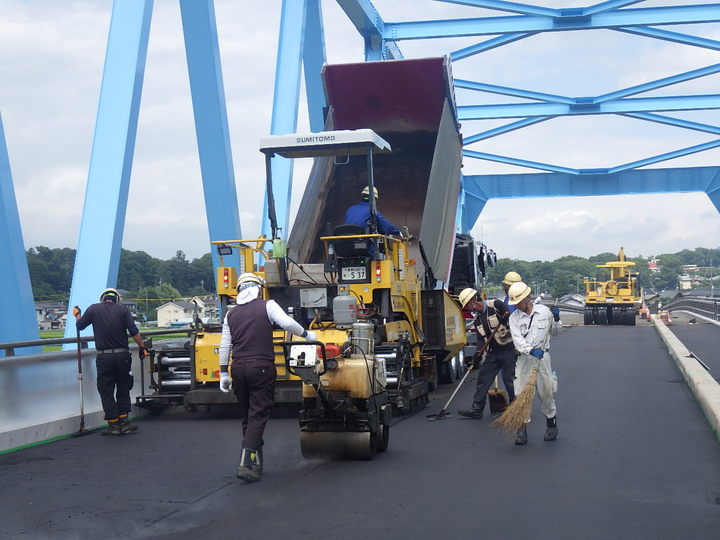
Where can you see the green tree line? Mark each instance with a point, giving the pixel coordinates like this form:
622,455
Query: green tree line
143,276
147,278
566,274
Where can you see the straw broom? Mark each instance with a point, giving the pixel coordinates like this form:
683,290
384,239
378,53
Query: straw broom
517,413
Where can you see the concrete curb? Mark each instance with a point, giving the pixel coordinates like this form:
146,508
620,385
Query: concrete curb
703,386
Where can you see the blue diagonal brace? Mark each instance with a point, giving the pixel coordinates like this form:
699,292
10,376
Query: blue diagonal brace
675,37
677,122
488,45
103,219
17,322
211,124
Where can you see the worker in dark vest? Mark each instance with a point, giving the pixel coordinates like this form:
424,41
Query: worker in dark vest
500,353
111,322
247,338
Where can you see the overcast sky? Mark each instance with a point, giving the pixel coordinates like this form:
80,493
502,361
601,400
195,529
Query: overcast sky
51,68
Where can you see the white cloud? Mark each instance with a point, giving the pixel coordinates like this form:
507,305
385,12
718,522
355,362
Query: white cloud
51,68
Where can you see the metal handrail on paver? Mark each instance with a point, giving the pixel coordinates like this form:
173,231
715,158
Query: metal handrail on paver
10,346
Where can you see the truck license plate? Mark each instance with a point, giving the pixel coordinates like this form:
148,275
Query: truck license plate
351,273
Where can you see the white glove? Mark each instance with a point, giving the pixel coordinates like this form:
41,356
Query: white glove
225,382
310,336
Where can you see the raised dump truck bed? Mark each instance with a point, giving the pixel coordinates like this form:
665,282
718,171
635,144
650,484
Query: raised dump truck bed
409,103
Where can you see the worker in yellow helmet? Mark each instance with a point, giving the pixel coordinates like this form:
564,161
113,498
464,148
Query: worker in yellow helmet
510,278
531,326
490,323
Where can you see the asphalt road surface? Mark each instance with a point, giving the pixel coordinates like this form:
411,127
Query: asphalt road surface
635,459
700,337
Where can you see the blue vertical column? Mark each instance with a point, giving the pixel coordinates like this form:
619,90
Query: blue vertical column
313,60
17,321
285,106
713,191
473,203
211,124
103,219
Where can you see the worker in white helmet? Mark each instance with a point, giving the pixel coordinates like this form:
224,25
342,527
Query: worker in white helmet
359,214
111,322
247,337
531,326
500,353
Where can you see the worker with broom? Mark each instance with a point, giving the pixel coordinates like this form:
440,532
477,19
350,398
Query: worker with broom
491,323
531,326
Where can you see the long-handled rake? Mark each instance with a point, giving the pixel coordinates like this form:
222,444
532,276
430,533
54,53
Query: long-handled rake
443,412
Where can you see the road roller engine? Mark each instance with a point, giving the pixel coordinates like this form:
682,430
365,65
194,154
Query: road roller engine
345,409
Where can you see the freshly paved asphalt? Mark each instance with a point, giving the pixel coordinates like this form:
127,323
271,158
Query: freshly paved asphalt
635,459
701,338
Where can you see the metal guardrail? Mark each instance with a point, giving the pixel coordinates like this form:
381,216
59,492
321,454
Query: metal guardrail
708,307
10,346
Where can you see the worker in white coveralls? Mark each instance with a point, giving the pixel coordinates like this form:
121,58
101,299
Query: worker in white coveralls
531,326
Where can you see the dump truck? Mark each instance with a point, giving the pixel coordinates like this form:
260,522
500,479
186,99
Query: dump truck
392,126
616,300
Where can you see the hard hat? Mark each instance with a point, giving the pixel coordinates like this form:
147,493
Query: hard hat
511,277
248,279
466,295
517,292
111,294
366,192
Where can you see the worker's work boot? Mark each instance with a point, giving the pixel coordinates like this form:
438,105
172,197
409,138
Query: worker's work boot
476,412
125,425
250,466
551,432
113,428
521,436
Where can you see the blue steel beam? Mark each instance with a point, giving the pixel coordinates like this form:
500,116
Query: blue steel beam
500,130
211,124
677,122
18,321
502,5
519,162
285,107
584,106
675,37
103,219
515,92
636,181
667,156
479,189
692,14
608,6
370,25
488,45
313,61
659,83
